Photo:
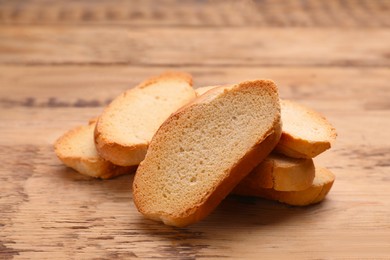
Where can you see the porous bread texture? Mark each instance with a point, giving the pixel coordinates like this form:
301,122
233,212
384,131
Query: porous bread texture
202,151
280,173
76,149
128,123
306,133
322,184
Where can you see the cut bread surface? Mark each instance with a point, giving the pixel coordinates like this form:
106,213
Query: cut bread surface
76,149
322,184
127,125
280,173
202,151
306,133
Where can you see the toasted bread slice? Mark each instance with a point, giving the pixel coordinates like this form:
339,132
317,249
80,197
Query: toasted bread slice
205,149
306,133
127,125
280,173
76,149
322,184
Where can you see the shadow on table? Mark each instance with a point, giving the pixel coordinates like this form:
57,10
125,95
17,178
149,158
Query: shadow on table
236,219
243,214
247,212
235,211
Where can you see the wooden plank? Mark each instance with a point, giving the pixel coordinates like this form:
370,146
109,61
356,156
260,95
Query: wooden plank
196,46
279,13
69,59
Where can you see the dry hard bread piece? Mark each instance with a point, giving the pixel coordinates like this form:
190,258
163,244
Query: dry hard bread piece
127,125
306,133
280,173
322,184
76,149
205,149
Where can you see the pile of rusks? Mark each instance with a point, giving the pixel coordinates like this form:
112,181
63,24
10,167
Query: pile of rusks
193,147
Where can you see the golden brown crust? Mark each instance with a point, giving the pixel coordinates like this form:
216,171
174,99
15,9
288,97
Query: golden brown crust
130,154
316,193
93,120
298,145
217,90
261,176
321,196
300,148
119,154
280,173
96,168
202,90
93,166
169,75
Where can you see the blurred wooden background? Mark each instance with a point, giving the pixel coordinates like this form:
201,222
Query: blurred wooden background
62,61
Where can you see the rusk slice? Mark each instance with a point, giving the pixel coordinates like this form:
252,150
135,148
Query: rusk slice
127,125
280,173
322,184
205,149
76,149
306,133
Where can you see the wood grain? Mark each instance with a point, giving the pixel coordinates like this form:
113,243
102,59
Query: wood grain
46,207
94,86
61,62
173,47
215,13
94,218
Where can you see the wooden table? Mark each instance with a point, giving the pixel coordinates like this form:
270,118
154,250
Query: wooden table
62,61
